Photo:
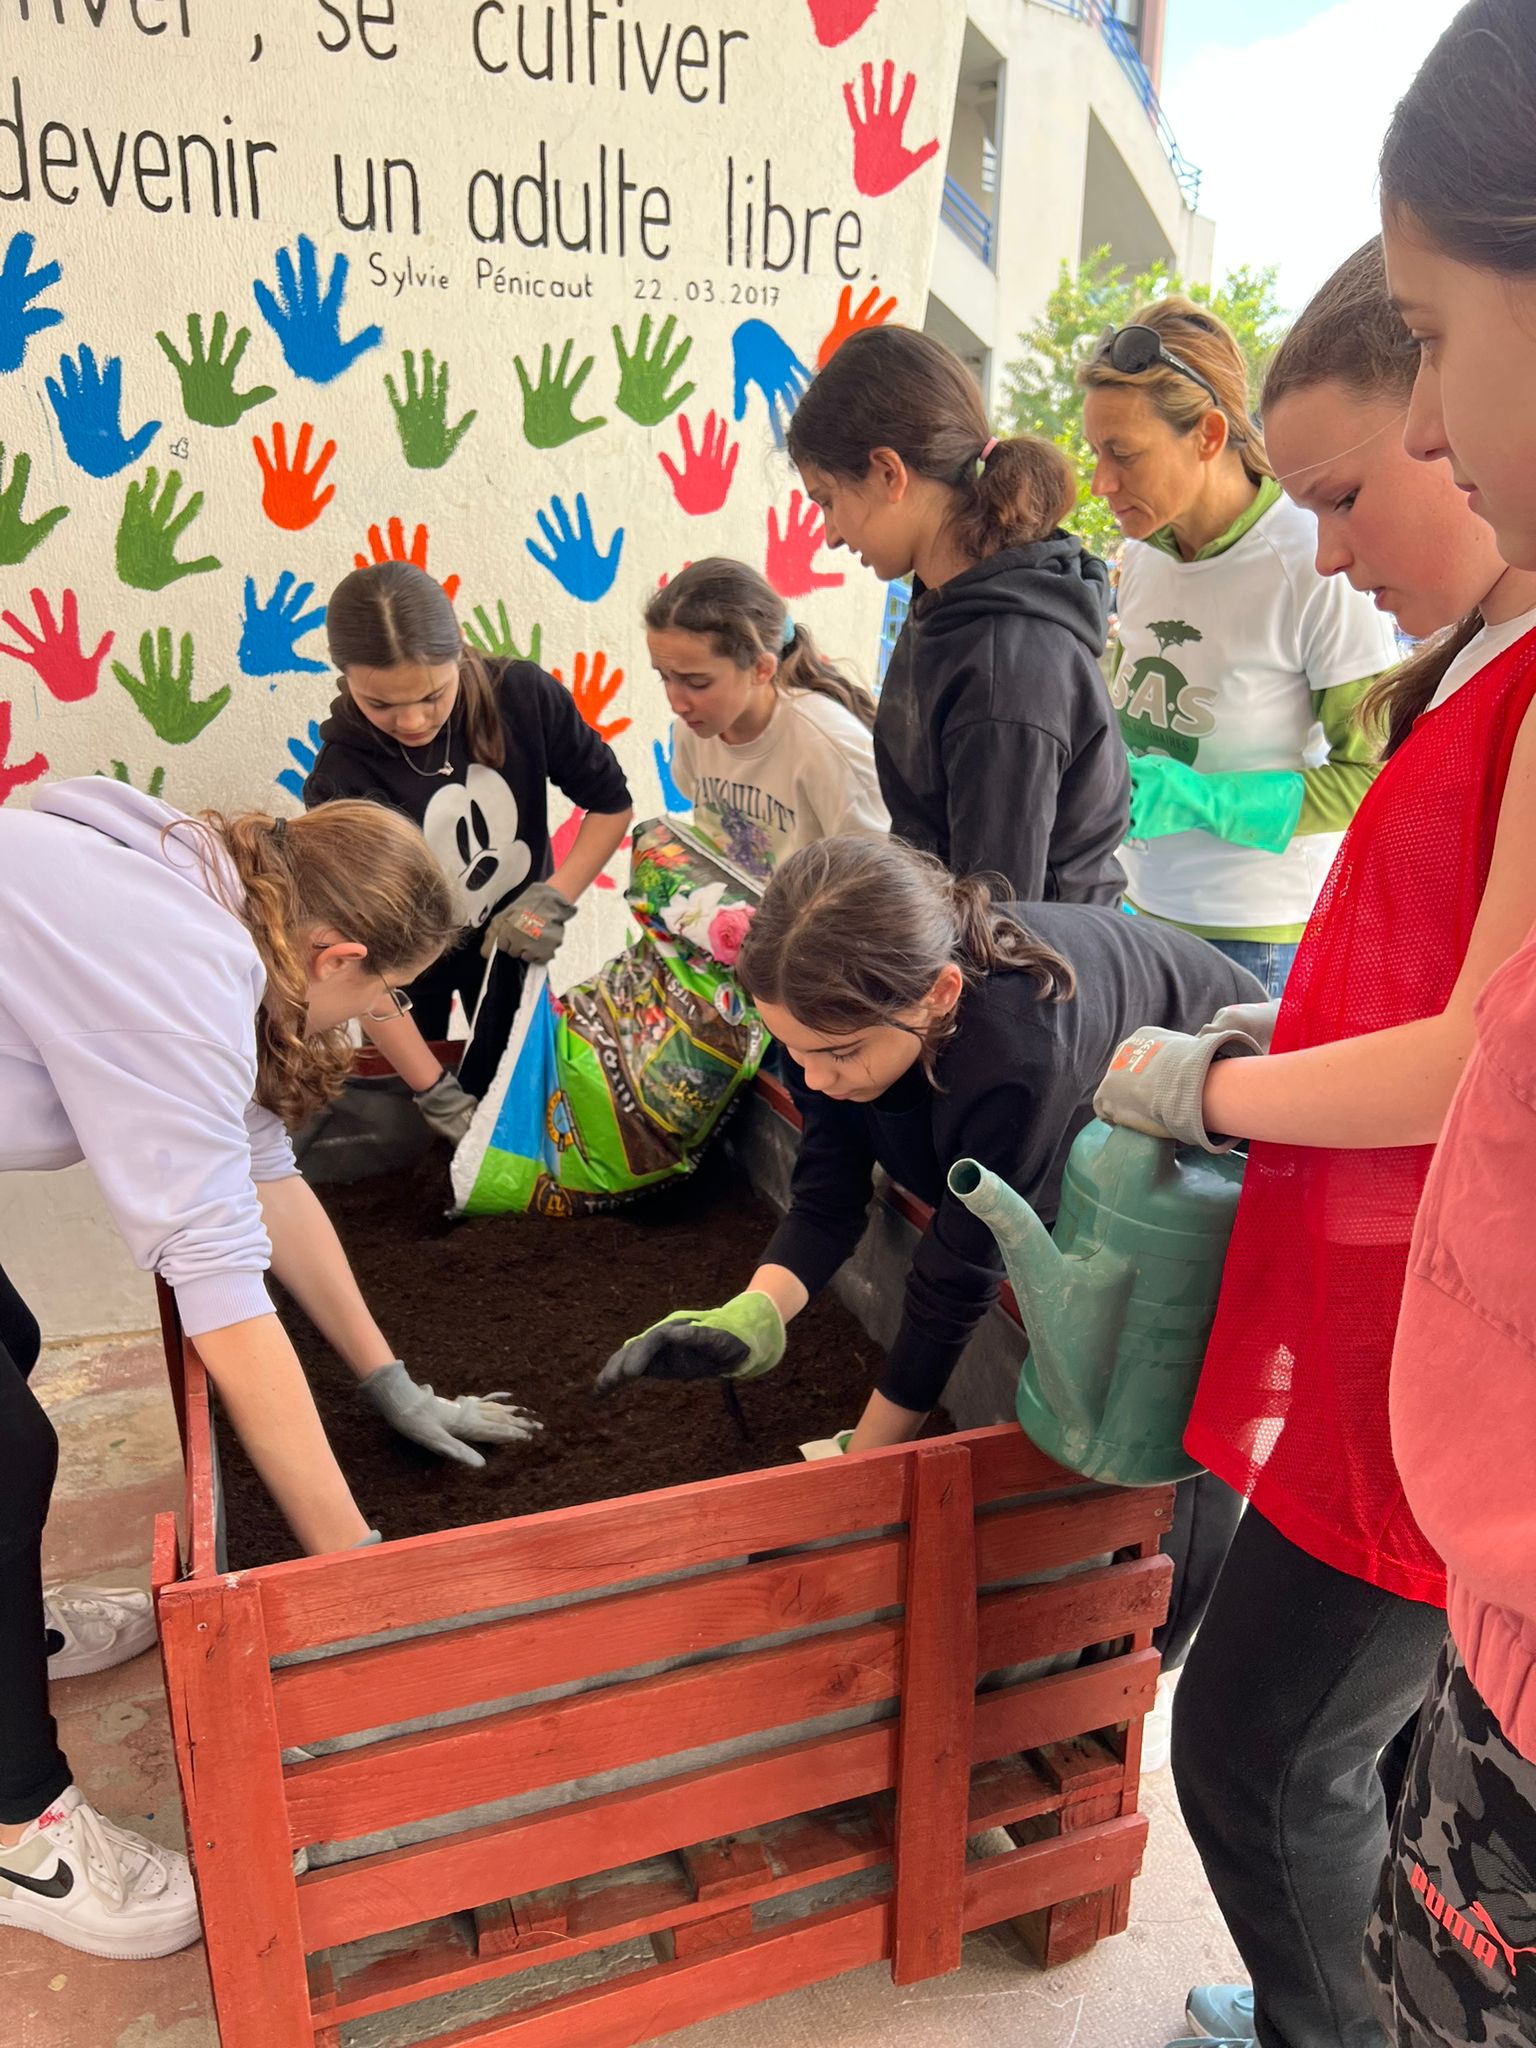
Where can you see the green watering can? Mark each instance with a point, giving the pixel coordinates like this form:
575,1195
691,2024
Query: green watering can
1119,1304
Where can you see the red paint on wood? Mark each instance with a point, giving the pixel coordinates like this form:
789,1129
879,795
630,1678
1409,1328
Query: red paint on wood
1015,1541
1072,1613
729,1863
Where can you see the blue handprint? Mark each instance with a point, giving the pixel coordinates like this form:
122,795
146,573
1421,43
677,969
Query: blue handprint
760,355
19,286
307,321
270,631
672,798
306,752
88,404
573,557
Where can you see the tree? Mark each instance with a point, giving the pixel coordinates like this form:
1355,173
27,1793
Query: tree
1042,396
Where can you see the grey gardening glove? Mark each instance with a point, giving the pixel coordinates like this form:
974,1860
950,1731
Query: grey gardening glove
446,1107
1156,1083
532,927
736,1342
1256,1019
448,1427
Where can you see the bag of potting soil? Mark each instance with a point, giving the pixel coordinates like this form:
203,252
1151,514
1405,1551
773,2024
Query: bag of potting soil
618,1085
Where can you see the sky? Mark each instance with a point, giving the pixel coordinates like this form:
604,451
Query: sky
1283,104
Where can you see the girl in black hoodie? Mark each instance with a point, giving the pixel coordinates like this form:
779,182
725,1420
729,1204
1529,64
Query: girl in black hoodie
995,742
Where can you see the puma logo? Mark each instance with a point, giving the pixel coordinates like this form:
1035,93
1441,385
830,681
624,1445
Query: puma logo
1459,1925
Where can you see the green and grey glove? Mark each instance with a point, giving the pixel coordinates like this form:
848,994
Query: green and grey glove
1258,807
450,1428
446,1107
1256,1019
1156,1083
532,927
738,1341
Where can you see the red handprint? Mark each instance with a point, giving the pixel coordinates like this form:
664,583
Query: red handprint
666,575
594,686
881,160
561,842
15,775
396,552
288,488
704,481
792,551
54,650
836,20
871,313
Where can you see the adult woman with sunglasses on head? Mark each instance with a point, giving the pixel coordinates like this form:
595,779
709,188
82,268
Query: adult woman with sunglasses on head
1240,669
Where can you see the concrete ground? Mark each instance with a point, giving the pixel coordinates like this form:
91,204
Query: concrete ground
119,1468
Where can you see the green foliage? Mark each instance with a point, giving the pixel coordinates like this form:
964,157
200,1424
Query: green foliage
1041,395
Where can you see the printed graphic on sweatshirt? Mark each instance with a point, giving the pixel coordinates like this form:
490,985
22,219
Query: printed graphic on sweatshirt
472,829
1161,711
745,818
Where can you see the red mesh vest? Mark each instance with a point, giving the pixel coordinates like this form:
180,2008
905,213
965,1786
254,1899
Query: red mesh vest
1292,1404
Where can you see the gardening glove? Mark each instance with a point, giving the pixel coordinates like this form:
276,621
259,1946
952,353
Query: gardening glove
1258,808
1256,1019
532,927
446,1107
1156,1083
367,1542
737,1342
447,1427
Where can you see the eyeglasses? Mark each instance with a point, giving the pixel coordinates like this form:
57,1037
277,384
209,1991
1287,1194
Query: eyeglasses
402,1007
1135,350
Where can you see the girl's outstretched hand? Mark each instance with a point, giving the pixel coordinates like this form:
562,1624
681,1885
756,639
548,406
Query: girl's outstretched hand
449,1427
738,1342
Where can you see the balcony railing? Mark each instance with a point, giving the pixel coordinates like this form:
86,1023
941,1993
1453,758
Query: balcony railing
967,219
1123,44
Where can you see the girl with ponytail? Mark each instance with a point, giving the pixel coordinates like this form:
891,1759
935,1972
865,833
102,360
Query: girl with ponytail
995,742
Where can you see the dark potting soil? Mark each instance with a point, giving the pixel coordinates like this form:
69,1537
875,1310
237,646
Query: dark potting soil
533,1306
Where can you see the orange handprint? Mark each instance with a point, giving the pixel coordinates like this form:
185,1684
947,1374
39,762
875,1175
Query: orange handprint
870,314
288,488
594,686
397,552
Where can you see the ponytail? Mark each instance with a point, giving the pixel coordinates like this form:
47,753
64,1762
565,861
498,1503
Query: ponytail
392,613
1398,699
1019,493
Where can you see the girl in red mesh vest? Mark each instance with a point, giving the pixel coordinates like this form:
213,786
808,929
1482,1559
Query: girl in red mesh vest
1325,1624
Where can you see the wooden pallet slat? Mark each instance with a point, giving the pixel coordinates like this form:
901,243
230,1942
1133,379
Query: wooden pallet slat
1038,1536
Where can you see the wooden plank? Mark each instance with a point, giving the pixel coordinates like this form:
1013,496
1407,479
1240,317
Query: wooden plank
727,1864
171,1342
1084,1609
164,1556
1052,1709
231,1784
701,1937
1014,1542
433,1674
1008,1791
1029,1879
1130,1791
202,1537
933,1774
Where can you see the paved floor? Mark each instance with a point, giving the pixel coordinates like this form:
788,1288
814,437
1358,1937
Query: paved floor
119,1468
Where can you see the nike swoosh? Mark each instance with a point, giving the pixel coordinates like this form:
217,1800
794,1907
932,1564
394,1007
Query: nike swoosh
59,1886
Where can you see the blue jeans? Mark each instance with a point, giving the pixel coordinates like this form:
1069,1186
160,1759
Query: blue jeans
1269,959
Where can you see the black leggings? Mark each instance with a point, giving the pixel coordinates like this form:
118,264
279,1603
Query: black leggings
33,1771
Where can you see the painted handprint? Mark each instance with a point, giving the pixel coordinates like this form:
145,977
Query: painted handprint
426,439
497,640
288,489
563,838
307,321
63,667
790,566
148,532
270,631
16,775
154,787
207,373
672,798
20,284
594,686
836,20
572,556
305,753
163,689
646,372
19,536
704,482
88,403
396,551
549,407
760,355
872,312
881,160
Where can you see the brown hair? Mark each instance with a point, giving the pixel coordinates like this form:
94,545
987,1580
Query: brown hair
355,867
891,387
853,931
1207,344
391,613
743,617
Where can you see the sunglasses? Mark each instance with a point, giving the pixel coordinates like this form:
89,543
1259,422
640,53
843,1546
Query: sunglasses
1135,350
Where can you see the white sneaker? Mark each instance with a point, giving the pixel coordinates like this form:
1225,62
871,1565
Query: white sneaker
81,1880
98,1626
1157,1728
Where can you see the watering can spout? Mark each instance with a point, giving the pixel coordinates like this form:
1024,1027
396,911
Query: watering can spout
1032,1259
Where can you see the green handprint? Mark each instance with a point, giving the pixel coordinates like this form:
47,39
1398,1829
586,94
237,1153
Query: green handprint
18,536
148,532
497,640
422,415
549,407
645,371
154,787
163,693
208,375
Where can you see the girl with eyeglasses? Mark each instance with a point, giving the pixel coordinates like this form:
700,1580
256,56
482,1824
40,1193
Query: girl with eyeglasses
1239,668
174,991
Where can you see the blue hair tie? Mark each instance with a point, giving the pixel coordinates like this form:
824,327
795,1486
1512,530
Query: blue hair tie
790,630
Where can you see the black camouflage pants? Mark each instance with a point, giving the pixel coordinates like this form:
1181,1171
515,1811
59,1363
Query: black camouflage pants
1452,1944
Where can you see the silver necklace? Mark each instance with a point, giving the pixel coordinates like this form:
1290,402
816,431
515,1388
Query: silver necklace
430,774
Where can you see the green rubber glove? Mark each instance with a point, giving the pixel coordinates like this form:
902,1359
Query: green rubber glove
1259,807
738,1341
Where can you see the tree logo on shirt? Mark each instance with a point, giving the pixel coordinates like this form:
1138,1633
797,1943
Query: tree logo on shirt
1161,710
